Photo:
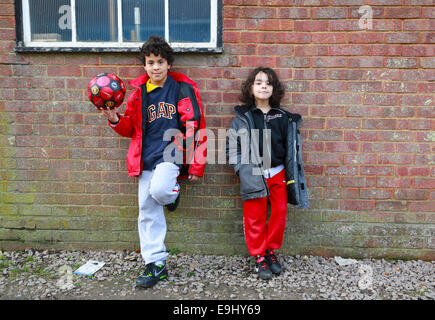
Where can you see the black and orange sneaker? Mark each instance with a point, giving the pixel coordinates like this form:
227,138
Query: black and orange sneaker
262,268
273,262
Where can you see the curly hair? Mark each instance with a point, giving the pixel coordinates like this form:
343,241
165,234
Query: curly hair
157,46
247,98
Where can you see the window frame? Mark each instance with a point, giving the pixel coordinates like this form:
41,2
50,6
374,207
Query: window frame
24,43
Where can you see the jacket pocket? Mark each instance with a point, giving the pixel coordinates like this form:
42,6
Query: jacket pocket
291,193
185,109
249,183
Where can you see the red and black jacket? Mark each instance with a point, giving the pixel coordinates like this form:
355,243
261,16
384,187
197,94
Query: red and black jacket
192,138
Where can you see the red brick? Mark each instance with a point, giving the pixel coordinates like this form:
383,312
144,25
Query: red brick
379,124
346,74
414,124
381,99
357,205
367,62
417,100
344,99
384,50
399,37
428,12
309,98
418,75
403,13
328,38
62,71
293,37
34,94
344,25
312,25
343,123
375,193
422,206
344,193
230,36
326,111
401,63
412,171
258,61
341,170
268,25
341,146
256,12
401,87
231,12
206,73
411,194
395,159
391,205
425,159
419,50
377,170
329,62
324,158
366,37
274,50
393,182
365,86
361,135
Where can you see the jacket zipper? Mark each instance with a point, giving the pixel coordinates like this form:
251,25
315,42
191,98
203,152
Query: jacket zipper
266,121
250,137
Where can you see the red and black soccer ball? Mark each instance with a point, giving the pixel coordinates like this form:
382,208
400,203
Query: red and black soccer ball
106,91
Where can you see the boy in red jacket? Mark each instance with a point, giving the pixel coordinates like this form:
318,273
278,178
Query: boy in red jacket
165,121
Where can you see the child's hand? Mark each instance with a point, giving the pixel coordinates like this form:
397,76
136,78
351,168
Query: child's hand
110,115
193,178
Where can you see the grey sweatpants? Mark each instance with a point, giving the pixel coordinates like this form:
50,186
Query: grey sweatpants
157,188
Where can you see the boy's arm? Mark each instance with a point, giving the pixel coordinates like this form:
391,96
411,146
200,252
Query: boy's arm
197,165
124,126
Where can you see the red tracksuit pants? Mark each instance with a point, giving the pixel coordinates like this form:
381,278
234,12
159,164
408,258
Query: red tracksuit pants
259,235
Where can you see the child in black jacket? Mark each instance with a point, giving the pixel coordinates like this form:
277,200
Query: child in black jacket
263,149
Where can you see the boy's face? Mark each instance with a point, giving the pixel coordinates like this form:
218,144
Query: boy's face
261,88
157,68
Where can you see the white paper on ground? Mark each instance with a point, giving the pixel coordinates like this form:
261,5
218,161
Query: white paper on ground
90,267
344,262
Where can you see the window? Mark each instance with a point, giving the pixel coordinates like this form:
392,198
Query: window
117,25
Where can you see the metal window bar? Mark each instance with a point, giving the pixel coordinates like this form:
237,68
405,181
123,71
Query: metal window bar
73,22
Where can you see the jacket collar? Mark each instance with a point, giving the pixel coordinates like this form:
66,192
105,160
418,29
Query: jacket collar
242,110
179,77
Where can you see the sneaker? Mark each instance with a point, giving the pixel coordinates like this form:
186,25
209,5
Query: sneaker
262,268
273,262
153,273
172,206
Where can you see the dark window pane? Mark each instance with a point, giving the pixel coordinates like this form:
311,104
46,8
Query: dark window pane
142,18
189,21
50,20
96,20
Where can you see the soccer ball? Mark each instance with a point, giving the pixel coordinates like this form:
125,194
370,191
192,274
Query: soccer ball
106,91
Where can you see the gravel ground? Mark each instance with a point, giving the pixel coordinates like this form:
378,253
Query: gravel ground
47,275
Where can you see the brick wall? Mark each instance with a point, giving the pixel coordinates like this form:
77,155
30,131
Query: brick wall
366,97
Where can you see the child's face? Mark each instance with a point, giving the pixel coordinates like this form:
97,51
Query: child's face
157,68
261,88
